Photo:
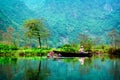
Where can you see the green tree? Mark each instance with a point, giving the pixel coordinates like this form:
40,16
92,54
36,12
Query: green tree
45,38
1,35
85,41
8,35
114,38
35,28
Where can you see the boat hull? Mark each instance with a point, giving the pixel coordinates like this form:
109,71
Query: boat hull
70,54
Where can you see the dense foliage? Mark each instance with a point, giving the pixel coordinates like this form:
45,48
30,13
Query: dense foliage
68,48
36,29
7,48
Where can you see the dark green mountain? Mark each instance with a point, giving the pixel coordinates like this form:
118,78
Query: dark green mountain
5,21
13,12
67,18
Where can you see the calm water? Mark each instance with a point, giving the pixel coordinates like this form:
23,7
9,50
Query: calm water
95,68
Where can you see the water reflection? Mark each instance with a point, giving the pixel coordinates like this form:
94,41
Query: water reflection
61,69
82,60
7,69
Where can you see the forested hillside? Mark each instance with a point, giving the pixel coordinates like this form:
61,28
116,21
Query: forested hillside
68,18
13,12
5,21
65,18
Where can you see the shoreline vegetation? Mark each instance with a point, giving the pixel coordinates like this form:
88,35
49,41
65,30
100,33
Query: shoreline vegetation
8,51
34,33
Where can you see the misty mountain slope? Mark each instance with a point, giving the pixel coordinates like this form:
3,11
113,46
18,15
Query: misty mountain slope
15,11
5,22
67,18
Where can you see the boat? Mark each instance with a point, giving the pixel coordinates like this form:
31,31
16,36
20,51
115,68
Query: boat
72,54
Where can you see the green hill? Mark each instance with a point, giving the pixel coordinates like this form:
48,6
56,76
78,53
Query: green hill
66,18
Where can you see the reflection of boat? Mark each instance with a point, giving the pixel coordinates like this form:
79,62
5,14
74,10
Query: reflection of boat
73,54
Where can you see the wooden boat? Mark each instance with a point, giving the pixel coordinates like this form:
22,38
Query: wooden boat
72,54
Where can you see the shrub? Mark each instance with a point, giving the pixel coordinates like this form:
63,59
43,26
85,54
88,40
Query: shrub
114,51
68,48
7,48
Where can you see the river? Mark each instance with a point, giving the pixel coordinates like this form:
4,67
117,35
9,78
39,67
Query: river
36,68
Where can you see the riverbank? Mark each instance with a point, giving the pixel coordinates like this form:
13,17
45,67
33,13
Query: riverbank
7,50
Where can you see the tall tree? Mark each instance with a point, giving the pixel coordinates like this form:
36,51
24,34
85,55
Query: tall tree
35,28
45,38
114,38
8,35
1,35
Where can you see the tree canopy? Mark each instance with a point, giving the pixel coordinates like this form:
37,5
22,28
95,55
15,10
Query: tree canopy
35,28
85,41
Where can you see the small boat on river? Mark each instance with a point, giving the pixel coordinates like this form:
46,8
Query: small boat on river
72,54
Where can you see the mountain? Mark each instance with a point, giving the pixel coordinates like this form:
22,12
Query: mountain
13,12
4,21
66,18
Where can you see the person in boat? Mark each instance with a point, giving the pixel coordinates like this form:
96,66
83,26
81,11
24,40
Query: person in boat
50,54
81,49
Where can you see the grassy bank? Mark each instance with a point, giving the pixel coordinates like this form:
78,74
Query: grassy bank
8,50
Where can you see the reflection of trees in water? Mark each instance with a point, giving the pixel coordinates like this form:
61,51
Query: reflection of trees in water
115,69
40,73
88,61
86,67
8,60
69,68
23,70
106,68
74,69
69,60
97,63
6,72
6,68
74,65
